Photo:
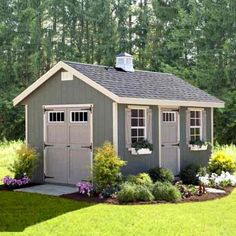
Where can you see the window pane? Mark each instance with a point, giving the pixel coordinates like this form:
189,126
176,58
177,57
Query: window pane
134,132
141,113
140,138
198,122
85,116
140,132
192,131
62,117
197,131
197,114
134,140
192,114
134,122
54,116
81,116
134,113
141,122
192,122
58,116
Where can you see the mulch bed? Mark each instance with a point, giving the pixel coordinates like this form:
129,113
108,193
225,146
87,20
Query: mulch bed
96,199
5,188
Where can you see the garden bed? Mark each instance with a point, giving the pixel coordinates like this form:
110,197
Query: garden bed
6,188
195,198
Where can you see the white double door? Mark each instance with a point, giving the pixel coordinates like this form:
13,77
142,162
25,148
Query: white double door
67,144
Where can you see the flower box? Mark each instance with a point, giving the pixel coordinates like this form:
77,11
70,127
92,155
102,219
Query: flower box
194,147
142,151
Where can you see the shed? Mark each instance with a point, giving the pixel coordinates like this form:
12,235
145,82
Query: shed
75,107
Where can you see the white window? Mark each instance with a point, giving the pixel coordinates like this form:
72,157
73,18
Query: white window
195,125
56,116
169,116
78,116
138,125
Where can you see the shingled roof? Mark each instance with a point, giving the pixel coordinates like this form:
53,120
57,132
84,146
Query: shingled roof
143,84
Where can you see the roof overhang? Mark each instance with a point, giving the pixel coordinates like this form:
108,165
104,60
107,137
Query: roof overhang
122,100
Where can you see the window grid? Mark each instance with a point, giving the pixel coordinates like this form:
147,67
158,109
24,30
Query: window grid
56,116
195,126
138,125
78,116
169,116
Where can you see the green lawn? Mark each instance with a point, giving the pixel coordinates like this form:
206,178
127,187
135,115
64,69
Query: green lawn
32,214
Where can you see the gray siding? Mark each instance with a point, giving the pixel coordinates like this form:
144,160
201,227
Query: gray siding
55,91
193,157
136,163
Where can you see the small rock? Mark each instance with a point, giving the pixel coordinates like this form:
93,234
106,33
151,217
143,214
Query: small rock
214,190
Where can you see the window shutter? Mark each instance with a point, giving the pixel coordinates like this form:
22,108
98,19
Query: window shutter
149,125
128,128
187,126
204,123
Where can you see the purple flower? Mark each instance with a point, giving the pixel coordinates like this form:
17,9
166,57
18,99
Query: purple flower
84,187
7,180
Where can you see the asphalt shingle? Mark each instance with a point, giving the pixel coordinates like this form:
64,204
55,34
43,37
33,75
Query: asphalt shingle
143,84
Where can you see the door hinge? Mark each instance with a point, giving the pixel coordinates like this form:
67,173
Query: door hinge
48,177
90,147
175,145
47,145
87,109
177,110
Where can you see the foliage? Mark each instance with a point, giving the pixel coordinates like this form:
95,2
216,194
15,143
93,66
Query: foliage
186,190
161,174
131,192
25,162
221,161
140,179
189,174
84,188
228,149
109,191
203,170
7,156
165,191
106,167
198,142
142,144
223,180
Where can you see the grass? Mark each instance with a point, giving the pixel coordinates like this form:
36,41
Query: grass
7,155
32,214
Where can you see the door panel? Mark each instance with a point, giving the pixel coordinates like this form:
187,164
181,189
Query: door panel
170,140
67,144
79,164
56,164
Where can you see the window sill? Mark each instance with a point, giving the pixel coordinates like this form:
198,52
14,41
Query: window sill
142,151
198,147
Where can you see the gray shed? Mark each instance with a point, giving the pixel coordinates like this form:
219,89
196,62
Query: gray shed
75,107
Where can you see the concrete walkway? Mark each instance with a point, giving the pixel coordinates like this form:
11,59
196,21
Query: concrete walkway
48,189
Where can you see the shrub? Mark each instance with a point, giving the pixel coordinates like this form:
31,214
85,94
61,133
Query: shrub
132,192
161,174
221,161
140,179
166,191
189,174
10,182
106,167
25,162
186,190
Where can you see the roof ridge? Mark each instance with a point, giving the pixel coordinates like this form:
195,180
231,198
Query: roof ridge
75,62
157,72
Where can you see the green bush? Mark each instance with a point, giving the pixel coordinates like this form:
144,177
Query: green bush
132,192
222,161
140,179
189,174
166,191
106,167
161,174
25,162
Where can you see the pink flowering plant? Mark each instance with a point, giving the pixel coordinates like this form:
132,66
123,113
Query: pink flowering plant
84,187
11,182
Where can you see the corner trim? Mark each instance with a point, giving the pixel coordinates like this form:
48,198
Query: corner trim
115,125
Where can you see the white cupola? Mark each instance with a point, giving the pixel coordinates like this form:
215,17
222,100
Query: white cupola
124,61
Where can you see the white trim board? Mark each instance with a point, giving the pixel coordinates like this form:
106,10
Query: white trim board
122,100
115,126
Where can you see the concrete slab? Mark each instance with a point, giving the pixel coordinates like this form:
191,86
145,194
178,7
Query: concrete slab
48,189
214,190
